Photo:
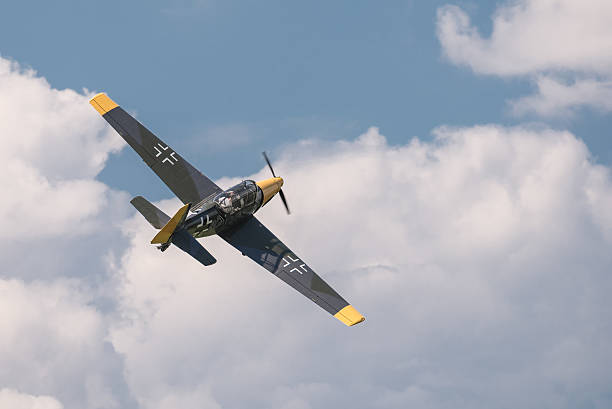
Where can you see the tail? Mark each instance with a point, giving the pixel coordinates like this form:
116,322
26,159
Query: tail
166,232
171,230
156,217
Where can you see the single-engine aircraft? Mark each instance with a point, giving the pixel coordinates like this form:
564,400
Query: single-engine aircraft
209,210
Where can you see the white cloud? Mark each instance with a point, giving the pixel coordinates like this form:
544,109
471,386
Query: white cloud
556,98
53,342
59,233
532,35
480,261
14,400
552,39
54,131
54,144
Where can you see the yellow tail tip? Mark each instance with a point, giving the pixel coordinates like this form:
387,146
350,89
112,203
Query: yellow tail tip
102,103
163,236
349,316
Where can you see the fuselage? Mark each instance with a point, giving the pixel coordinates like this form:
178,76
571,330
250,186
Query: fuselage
232,206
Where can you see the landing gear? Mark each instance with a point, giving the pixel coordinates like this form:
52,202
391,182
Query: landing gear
163,247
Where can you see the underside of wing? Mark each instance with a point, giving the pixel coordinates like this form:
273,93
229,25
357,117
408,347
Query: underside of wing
186,242
187,183
254,240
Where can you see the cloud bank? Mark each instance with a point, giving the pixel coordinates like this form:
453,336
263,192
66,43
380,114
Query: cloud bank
59,235
565,46
15,400
480,260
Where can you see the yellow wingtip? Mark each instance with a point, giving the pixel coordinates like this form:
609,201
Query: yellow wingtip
102,103
349,316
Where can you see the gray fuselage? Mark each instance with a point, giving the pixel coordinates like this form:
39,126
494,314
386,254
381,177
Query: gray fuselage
227,208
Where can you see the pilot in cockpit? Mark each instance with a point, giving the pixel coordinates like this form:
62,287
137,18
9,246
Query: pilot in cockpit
225,201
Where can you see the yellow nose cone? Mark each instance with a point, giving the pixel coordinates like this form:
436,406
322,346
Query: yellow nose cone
270,187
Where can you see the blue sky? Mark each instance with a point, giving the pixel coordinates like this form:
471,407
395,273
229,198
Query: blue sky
261,75
448,168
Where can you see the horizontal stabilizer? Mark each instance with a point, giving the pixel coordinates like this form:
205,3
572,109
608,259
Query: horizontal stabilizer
156,217
166,232
186,242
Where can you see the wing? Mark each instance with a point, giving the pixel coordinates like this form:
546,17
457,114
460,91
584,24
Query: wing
186,242
254,240
187,183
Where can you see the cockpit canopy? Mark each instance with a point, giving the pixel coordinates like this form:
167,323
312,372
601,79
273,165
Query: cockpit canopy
245,197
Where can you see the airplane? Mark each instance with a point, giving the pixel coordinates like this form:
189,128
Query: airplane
210,210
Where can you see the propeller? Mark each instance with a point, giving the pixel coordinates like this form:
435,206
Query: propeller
280,192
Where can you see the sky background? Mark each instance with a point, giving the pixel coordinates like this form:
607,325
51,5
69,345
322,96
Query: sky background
448,170
222,81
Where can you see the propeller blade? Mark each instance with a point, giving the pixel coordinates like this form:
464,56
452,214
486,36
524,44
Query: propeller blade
280,192
282,196
269,164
